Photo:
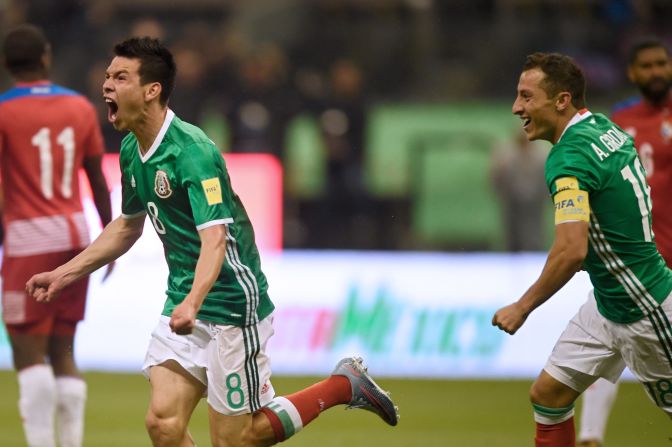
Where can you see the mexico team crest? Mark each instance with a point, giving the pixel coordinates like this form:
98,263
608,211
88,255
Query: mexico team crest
162,185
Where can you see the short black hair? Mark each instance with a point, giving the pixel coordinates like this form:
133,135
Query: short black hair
562,75
23,49
156,62
644,43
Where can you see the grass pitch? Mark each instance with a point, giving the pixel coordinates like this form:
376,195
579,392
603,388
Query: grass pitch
433,414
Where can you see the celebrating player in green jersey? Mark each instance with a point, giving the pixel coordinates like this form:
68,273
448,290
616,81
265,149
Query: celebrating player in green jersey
647,120
603,225
211,338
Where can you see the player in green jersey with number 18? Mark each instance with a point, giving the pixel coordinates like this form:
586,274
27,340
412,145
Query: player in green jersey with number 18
603,225
217,318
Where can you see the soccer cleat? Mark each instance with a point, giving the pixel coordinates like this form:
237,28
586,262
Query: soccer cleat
366,394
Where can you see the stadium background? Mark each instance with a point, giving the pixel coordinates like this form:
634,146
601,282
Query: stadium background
377,121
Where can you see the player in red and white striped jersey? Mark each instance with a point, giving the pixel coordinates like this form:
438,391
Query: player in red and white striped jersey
47,133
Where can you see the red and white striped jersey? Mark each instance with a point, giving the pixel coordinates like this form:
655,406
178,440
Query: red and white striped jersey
46,132
651,127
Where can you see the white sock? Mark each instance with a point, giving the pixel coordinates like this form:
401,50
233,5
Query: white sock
70,402
597,402
552,416
37,404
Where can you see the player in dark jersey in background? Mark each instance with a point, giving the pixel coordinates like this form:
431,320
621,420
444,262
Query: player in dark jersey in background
603,225
647,119
47,133
211,338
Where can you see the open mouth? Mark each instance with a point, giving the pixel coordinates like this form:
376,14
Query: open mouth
526,122
112,109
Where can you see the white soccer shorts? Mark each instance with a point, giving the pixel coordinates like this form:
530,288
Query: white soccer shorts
592,346
230,361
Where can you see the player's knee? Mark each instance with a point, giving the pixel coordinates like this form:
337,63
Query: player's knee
551,393
543,395
162,428
25,357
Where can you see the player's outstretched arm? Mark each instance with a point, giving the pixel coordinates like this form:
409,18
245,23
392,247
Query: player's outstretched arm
101,194
564,259
208,267
115,240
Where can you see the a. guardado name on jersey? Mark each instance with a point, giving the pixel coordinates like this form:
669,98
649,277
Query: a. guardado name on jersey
613,139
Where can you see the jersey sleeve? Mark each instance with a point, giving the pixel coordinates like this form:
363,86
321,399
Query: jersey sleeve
570,161
203,175
131,205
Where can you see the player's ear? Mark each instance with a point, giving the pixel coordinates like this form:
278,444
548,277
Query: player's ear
153,91
562,101
631,74
46,57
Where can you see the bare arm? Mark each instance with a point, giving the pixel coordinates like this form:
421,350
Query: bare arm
101,195
208,267
564,260
115,240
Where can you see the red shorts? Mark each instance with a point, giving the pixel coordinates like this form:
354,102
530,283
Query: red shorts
23,315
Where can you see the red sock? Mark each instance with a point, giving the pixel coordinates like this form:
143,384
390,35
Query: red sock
558,435
308,404
311,401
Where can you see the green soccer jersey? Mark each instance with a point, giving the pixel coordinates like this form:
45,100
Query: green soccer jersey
183,184
629,276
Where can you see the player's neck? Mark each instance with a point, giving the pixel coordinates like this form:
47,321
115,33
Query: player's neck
657,102
30,76
149,128
564,119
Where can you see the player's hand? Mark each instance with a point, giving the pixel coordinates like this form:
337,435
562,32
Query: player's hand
108,271
510,318
183,319
45,287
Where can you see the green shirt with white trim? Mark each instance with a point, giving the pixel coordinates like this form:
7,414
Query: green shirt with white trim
183,185
629,275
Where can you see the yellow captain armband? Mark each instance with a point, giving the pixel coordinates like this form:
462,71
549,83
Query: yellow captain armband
571,203
564,183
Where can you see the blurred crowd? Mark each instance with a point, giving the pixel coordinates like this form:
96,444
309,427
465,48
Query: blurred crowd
247,68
